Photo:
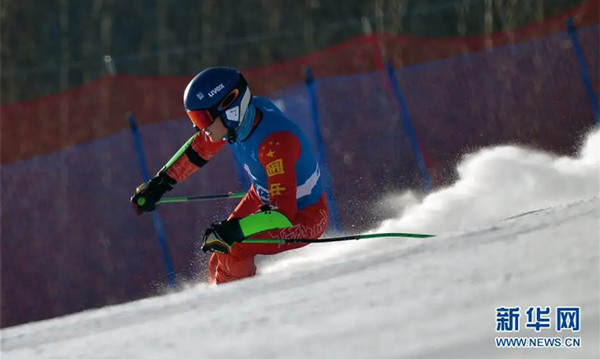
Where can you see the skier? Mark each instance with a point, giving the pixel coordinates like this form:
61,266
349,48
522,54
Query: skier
286,198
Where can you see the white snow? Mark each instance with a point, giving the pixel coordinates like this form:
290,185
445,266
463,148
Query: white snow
519,228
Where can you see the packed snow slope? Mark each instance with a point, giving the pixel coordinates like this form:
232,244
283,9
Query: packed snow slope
519,228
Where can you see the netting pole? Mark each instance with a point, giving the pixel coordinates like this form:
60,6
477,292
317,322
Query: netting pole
585,76
158,225
314,110
408,127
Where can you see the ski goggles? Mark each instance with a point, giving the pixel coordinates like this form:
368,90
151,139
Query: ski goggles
201,118
204,118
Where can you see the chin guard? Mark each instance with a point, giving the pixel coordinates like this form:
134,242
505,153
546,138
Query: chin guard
231,136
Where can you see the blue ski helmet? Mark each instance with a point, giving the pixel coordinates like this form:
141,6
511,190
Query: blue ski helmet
217,92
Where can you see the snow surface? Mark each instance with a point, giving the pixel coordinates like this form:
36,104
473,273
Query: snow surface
519,228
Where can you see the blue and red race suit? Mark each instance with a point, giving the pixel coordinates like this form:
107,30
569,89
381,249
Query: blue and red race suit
285,175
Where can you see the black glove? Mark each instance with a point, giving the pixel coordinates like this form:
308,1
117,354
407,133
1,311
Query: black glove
148,193
220,236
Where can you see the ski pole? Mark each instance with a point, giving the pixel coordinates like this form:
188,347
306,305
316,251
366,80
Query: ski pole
338,239
228,195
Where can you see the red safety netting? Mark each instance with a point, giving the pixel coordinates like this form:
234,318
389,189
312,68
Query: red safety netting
98,109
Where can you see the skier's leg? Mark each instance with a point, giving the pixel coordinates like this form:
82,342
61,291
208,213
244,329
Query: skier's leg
229,267
236,265
213,263
310,222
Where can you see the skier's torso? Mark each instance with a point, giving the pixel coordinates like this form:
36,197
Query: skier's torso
309,186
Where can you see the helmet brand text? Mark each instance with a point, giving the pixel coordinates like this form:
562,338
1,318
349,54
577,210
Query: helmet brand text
216,90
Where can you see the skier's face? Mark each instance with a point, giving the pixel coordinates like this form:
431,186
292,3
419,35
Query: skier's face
216,131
